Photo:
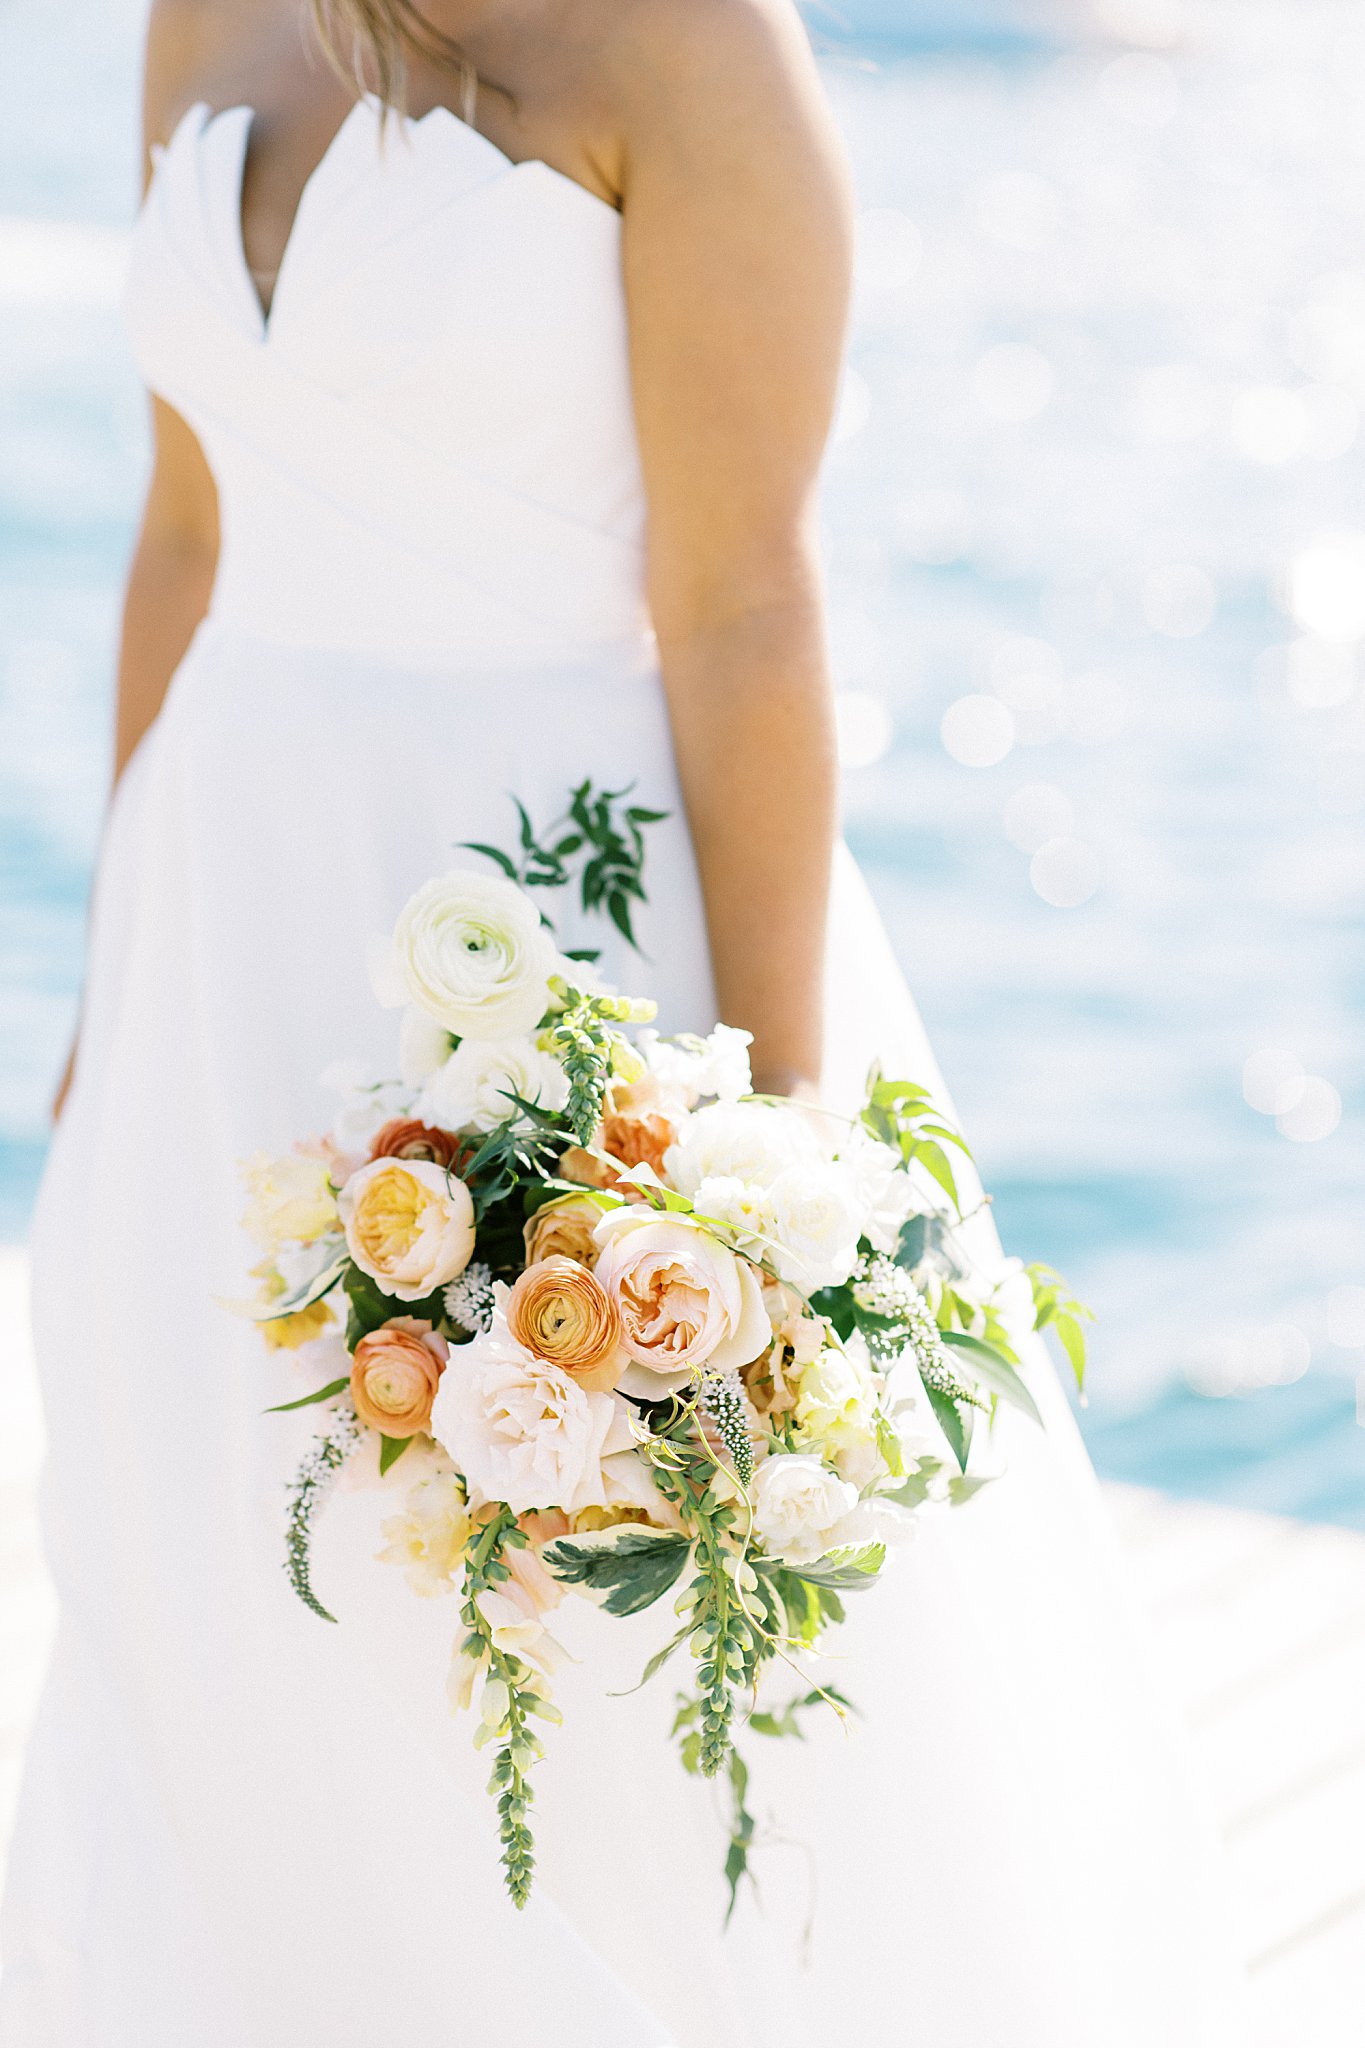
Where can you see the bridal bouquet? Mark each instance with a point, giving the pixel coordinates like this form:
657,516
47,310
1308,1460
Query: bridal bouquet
631,1327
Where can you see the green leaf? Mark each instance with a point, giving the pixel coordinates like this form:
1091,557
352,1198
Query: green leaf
995,1371
955,1422
837,1305
493,853
1072,1339
656,1663
334,1261
326,1393
391,1449
632,1572
934,1160
847,1570
916,1487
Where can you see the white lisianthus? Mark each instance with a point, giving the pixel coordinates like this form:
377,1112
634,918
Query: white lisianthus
836,1409
428,1539
689,1069
744,1207
471,951
291,1199
523,1431
470,1092
817,1222
801,1508
883,1189
1012,1297
745,1141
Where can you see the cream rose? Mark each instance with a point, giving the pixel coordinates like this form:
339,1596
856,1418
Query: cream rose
836,1409
471,951
686,1300
409,1225
800,1507
395,1374
471,1091
524,1431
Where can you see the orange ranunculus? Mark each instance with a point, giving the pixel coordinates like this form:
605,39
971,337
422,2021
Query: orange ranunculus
394,1376
560,1313
565,1228
407,1137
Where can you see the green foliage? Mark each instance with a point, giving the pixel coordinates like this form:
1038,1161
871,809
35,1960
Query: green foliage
1054,1304
391,1449
784,1723
323,1460
371,1308
741,1831
902,1114
633,1571
327,1393
848,1570
994,1370
808,1608
524,1148
955,1420
600,838
582,1040
518,1746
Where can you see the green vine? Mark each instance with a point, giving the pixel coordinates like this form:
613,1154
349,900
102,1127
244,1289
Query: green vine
511,1696
604,842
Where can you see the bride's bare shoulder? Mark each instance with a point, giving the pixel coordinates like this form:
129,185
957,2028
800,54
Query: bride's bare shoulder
693,70
188,42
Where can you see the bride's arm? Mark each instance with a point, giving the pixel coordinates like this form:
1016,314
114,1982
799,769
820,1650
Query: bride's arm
737,263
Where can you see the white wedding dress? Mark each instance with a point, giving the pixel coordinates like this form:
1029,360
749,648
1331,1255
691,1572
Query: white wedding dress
242,1828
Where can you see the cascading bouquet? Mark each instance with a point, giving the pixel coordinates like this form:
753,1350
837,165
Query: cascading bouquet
632,1325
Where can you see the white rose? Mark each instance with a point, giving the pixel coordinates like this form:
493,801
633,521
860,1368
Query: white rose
836,1398
470,1092
687,1302
525,1432
884,1190
690,1068
818,1220
745,1141
471,951
800,1507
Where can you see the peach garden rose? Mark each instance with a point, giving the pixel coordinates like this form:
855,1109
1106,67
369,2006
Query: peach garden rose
409,1225
564,1228
686,1300
394,1376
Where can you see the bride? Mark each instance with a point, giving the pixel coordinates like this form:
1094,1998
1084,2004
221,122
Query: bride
489,399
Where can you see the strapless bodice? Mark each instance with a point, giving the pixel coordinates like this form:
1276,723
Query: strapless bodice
426,451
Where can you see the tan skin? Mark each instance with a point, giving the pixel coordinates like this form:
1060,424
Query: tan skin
703,121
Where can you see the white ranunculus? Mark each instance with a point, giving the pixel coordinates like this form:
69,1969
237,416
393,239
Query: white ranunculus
471,951
523,1431
690,1069
423,1046
687,1302
801,1508
817,1222
745,1141
883,1188
470,1092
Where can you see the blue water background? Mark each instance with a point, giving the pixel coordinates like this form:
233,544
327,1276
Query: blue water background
1166,237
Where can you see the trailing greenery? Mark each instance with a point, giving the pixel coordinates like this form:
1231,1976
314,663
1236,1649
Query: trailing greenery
586,1042
318,1468
1055,1306
511,1698
600,838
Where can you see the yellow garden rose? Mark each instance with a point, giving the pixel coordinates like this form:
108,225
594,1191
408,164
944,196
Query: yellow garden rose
409,1224
564,1229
